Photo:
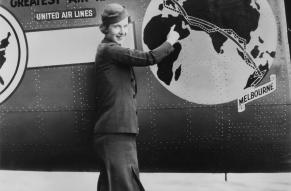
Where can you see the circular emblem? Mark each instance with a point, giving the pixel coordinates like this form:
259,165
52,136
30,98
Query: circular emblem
13,53
226,47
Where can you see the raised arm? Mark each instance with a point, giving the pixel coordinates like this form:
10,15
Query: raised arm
140,58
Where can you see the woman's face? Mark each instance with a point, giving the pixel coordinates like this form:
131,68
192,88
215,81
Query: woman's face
117,31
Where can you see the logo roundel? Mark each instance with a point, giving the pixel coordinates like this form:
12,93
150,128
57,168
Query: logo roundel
13,53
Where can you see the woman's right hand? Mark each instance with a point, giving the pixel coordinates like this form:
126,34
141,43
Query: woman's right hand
173,36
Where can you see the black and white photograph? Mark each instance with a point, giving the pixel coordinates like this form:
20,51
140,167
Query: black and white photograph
145,95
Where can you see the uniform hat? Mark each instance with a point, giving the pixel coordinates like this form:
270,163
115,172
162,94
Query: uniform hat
113,13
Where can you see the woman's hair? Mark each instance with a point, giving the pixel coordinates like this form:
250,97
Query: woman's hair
104,28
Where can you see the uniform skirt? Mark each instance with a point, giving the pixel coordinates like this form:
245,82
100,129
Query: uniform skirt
117,155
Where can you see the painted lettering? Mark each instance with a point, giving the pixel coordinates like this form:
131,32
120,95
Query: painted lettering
30,3
47,16
83,13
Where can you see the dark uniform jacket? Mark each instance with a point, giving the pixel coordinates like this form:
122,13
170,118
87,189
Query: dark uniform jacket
116,85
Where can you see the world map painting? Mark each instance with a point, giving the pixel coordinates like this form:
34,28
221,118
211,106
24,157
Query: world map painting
225,46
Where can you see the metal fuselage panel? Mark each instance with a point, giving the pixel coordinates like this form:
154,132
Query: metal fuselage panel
47,122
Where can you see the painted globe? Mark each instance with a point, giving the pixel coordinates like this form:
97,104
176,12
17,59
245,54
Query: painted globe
225,46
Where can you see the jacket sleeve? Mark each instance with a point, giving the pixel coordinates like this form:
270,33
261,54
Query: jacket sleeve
136,57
